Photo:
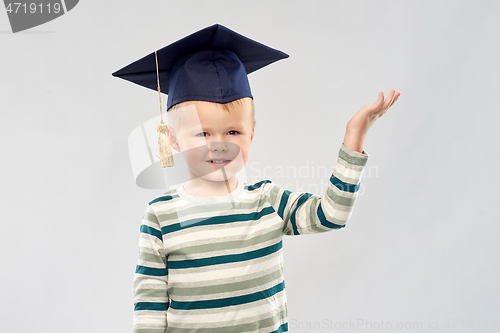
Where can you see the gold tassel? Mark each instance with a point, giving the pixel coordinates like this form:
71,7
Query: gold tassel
167,160
165,152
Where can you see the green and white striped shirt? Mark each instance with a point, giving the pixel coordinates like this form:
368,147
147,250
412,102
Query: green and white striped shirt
215,264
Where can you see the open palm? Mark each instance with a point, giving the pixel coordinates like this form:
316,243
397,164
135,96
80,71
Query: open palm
368,114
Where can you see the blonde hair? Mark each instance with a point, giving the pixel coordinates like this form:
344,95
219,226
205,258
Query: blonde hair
175,117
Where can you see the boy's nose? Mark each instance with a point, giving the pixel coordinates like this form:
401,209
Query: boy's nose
217,146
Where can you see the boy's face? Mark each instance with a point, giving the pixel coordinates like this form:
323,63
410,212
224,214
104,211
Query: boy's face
209,135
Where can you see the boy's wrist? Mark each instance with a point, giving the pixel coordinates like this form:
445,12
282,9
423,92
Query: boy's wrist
354,141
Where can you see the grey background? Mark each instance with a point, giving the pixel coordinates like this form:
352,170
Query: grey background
422,243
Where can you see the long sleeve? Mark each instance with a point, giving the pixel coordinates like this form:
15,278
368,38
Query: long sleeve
151,278
306,213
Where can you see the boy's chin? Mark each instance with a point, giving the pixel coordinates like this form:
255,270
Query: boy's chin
219,176
222,174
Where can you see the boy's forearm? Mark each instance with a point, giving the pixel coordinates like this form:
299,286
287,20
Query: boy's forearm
354,141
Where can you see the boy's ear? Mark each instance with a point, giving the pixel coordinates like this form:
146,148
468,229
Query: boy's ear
253,130
173,139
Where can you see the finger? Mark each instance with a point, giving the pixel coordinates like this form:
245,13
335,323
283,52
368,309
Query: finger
396,96
393,99
380,100
387,104
389,99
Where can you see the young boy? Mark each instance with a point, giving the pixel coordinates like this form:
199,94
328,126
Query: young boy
210,253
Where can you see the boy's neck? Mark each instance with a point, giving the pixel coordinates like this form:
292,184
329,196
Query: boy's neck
200,187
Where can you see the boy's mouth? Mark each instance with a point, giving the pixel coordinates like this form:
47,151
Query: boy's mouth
219,162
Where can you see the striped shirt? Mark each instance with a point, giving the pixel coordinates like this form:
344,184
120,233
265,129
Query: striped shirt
215,264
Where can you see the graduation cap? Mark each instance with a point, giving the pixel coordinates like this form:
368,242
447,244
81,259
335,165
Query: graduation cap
209,65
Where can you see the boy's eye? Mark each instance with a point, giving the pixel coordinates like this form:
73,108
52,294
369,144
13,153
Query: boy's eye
204,134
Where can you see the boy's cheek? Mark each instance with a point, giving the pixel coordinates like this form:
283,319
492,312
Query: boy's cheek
195,153
193,144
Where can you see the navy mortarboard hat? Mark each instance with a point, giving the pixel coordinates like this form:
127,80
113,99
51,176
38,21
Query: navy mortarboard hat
209,65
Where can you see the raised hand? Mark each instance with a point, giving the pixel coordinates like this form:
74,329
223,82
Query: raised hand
358,126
